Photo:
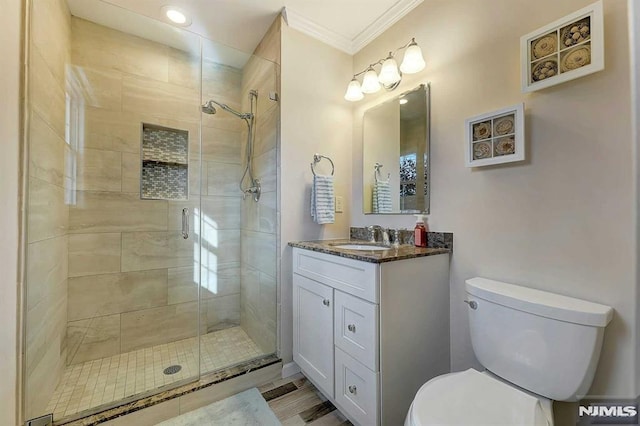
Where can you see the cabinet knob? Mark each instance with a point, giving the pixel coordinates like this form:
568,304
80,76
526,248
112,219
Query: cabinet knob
353,389
472,304
326,302
351,328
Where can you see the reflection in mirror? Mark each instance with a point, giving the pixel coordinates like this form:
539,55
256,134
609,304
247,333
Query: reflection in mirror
395,153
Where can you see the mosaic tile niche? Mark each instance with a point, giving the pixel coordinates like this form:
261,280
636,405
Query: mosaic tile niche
165,170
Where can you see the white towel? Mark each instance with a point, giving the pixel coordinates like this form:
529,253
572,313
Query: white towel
322,200
374,201
382,197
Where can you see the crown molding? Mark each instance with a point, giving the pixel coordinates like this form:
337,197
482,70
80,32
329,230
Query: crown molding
317,31
341,42
384,22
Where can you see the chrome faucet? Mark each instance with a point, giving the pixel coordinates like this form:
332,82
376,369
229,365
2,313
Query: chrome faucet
371,232
395,234
385,237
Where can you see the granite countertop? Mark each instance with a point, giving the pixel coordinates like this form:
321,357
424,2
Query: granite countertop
404,251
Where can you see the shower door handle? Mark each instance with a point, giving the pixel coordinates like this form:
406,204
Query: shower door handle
185,223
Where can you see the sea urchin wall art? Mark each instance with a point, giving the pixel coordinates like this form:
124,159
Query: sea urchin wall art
566,49
496,137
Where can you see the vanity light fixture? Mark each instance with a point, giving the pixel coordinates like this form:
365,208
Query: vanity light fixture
413,61
354,91
390,76
176,15
370,82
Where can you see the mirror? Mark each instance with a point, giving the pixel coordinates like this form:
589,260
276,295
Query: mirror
395,155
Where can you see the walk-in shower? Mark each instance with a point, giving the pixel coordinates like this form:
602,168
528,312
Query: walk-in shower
121,140
250,118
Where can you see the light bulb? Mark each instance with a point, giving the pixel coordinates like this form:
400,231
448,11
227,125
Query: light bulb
403,101
389,74
413,61
370,83
176,15
354,91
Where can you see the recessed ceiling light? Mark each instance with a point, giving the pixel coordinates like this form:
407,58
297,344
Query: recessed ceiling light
176,15
403,101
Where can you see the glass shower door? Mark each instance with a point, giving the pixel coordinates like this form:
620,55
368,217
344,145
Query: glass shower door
238,215
113,241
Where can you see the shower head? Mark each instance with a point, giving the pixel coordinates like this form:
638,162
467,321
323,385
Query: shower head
208,108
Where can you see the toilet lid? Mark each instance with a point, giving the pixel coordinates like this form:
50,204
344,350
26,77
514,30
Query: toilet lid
474,398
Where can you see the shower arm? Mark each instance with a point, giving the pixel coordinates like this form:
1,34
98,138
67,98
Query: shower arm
243,115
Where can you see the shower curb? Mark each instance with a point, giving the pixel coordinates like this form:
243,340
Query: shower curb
160,396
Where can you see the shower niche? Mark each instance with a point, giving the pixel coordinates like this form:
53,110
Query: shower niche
165,163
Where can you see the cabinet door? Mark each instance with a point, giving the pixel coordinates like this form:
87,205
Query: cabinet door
313,331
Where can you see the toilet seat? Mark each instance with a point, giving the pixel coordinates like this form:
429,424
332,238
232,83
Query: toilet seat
474,398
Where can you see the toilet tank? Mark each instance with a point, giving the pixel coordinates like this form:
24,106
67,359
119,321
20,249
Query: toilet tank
543,342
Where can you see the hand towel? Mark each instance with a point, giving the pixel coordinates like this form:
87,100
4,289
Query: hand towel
374,199
322,200
382,197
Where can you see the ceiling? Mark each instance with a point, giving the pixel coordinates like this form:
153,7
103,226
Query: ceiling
345,24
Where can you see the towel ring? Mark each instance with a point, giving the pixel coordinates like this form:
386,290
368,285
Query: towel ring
316,159
377,172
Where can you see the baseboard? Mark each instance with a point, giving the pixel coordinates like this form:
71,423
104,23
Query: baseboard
289,369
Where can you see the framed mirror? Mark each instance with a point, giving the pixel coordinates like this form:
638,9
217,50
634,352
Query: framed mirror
395,155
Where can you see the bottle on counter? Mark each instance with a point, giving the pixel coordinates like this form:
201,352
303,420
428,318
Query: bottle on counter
420,231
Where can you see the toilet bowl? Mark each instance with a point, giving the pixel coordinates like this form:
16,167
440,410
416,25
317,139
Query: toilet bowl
520,336
477,398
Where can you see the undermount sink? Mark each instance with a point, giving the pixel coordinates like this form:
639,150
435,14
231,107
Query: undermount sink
360,247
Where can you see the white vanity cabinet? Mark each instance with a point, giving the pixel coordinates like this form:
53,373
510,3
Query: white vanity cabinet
368,335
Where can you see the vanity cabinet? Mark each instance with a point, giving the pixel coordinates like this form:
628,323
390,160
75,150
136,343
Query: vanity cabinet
367,334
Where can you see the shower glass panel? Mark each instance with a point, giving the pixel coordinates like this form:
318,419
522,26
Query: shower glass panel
112,277
151,208
238,216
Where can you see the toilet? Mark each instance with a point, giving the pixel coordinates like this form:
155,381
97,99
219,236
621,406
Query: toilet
536,346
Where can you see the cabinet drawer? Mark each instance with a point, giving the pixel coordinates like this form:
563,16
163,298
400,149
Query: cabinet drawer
356,328
355,277
356,390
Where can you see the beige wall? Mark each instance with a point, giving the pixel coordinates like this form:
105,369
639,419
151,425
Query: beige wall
560,221
258,313
47,212
314,119
10,47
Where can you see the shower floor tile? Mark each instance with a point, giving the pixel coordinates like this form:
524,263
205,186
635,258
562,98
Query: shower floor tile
103,381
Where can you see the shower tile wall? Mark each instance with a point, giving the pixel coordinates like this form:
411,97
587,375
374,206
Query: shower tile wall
132,277
258,314
47,221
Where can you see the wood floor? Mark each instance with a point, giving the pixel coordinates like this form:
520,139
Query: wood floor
295,401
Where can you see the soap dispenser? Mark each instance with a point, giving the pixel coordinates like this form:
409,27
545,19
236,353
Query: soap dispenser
420,231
